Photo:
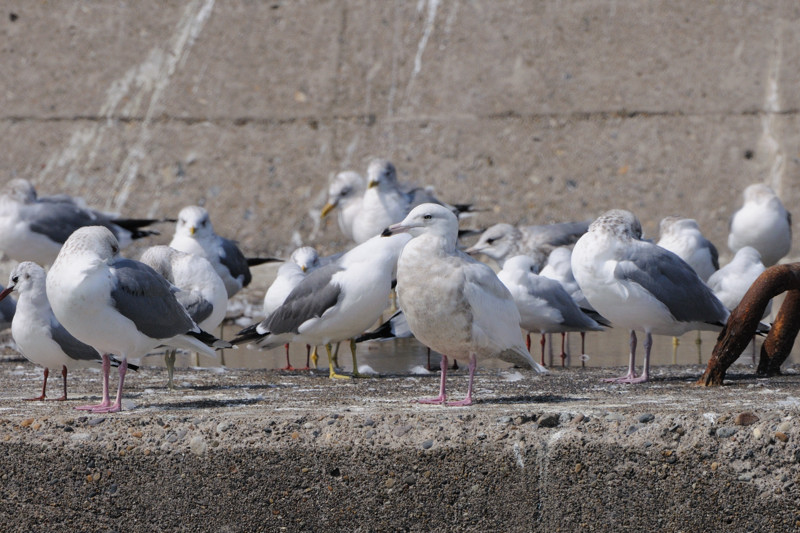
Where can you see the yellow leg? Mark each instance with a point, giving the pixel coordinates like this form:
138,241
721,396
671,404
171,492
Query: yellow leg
355,362
314,358
336,355
333,374
675,343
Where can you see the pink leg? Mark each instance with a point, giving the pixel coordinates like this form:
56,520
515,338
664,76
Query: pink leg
117,406
288,364
645,377
64,379
528,341
631,375
442,395
473,363
542,342
106,368
40,398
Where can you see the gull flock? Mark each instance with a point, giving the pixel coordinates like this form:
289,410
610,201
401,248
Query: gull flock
80,303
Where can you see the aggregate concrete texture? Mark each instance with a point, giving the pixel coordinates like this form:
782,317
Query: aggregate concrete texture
535,111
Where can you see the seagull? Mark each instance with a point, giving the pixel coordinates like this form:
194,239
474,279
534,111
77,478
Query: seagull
454,304
118,305
335,302
763,223
195,235
502,241
543,303
34,228
40,337
202,292
366,211
302,262
640,286
346,192
682,237
731,282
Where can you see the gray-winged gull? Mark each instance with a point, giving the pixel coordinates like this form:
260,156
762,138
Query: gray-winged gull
202,292
763,223
194,234
454,304
345,193
33,228
638,285
335,302
503,241
118,305
543,303
40,337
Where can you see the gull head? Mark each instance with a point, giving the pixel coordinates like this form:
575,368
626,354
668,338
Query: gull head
619,223
381,172
759,193
21,190
94,241
25,277
344,187
520,267
427,218
194,222
496,242
675,225
305,257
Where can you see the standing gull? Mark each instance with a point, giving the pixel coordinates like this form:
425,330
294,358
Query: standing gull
503,241
33,228
202,292
640,286
40,337
195,235
302,262
454,304
682,237
763,223
543,303
346,192
117,305
336,302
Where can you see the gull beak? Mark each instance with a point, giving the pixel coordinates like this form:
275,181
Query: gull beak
472,250
394,229
192,230
327,208
6,292
372,184
304,267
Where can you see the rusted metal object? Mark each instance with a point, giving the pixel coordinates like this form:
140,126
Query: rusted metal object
743,323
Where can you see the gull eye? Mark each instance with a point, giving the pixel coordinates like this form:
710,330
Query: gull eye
427,216
490,241
15,279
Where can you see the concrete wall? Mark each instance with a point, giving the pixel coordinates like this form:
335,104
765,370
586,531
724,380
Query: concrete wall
538,111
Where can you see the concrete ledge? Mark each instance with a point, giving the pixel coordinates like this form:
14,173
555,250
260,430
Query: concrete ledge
257,451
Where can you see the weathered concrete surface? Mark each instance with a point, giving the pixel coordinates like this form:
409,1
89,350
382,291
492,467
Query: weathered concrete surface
539,111
259,450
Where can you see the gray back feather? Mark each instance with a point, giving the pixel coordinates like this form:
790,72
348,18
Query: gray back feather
311,298
71,346
234,261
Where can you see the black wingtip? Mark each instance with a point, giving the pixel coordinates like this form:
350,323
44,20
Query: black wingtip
255,261
210,340
248,334
386,232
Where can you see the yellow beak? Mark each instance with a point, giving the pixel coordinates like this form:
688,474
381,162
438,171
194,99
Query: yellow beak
327,208
192,230
372,184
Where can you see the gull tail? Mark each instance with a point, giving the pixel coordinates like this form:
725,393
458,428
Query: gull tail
597,317
135,225
394,328
255,261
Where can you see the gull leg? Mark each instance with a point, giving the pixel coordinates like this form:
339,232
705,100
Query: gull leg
336,355
314,358
675,343
106,368
333,374
698,341
355,362
64,380
473,363
117,406
648,344
288,364
542,342
169,360
583,349
528,341
442,395
308,356
44,386
428,367
631,365
563,352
